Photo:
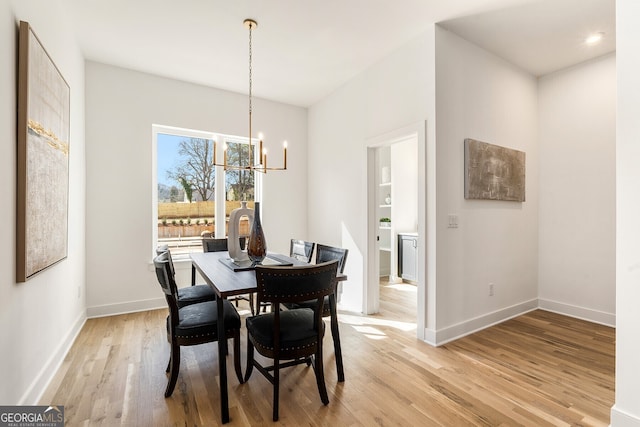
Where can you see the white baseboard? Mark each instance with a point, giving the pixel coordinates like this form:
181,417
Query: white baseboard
594,316
47,372
620,418
442,336
430,337
470,326
125,307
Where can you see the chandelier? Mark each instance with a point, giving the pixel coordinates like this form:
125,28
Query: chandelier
258,164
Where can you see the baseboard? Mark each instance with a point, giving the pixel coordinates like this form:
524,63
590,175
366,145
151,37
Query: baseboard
125,307
620,418
43,378
430,336
594,316
470,326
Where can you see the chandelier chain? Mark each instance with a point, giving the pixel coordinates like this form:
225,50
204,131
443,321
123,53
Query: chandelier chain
250,69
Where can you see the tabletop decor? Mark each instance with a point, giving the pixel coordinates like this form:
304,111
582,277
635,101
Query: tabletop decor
42,159
236,252
257,246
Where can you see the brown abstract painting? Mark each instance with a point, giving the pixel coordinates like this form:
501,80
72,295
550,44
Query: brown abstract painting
493,172
43,159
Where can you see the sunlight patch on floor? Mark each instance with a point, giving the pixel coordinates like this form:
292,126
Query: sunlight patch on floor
402,287
362,321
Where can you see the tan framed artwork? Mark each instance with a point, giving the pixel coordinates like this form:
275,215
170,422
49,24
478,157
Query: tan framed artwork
43,159
493,172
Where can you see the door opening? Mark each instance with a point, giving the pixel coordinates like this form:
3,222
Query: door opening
395,269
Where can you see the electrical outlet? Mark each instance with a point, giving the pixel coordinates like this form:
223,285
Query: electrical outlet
490,289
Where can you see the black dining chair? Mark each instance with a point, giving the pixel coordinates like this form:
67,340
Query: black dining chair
193,324
326,253
294,335
189,294
301,250
210,244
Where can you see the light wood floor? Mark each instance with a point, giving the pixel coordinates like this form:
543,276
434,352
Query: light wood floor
538,369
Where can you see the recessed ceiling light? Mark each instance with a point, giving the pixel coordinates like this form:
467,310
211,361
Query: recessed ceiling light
594,38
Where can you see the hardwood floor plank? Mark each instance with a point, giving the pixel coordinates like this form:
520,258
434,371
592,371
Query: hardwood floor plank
539,369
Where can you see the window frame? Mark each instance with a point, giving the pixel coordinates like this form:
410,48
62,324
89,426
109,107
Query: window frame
220,176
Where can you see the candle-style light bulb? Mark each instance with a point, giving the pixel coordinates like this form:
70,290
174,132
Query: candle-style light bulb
260,151
225,156
264,159
285,154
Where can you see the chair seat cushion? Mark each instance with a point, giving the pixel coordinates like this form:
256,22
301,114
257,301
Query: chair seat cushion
193,294
296,329
326,310
201,319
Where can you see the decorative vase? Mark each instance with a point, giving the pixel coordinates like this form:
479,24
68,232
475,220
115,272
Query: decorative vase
257,246
235,249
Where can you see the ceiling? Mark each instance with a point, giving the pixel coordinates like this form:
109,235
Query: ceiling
304,50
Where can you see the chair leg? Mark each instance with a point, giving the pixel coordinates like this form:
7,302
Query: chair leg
249,370
253,312
276,388
335,334
319,370
173,371
236,356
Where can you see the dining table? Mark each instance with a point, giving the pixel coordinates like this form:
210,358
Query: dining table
218,272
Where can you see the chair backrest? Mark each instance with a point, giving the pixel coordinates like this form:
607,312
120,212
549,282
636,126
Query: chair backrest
165,275
210,244
327,253
277,284
301,250
167,282
165,249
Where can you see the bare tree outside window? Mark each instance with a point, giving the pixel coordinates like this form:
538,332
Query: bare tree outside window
195,170
239,184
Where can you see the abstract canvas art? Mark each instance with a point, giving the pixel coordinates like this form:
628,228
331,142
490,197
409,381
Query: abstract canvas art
493,172
43,159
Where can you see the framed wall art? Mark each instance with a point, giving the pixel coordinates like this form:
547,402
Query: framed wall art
493,172
43,159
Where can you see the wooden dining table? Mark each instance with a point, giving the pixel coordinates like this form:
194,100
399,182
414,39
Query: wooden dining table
225,282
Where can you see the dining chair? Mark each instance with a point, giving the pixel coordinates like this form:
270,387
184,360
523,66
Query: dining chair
301,250
189,294
326,253
294,336
193,324
210,244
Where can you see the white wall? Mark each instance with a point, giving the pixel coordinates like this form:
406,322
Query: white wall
404,169
577,116
626,412
39,318
480,96
392,94
122,105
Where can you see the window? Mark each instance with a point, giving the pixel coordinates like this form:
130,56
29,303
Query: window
190,193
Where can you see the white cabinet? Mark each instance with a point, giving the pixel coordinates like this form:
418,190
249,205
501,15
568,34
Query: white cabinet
408,256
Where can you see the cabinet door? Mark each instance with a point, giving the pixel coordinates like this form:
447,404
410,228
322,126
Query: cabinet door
409,258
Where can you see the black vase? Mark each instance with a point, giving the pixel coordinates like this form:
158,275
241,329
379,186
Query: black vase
257,247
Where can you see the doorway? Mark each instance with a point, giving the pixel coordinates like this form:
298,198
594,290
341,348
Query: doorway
396,257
